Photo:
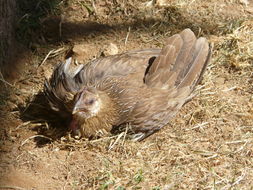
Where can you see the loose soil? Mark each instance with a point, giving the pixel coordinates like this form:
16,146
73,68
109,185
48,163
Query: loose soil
208,145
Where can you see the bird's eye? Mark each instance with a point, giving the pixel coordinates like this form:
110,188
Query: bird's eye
91,101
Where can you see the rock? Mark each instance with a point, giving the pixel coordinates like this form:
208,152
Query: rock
82,53
80,49
111,49
162,3
244,2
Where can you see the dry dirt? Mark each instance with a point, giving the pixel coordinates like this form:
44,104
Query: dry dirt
208,145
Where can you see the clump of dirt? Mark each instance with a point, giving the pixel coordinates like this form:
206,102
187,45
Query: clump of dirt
207,146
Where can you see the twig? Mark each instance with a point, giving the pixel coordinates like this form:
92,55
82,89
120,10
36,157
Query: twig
116,141
25,141
104,138
229,89
197,126
192,2
237,181
236,142
94,7
4,81
57,52
129,29
125,134
241,148
44,60
240,178
54,52
23,124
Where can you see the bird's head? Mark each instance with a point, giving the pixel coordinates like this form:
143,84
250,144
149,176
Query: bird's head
87,103
93,111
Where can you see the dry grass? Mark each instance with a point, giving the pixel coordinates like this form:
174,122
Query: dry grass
207,146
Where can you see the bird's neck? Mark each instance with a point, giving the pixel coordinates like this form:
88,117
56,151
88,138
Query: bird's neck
105,119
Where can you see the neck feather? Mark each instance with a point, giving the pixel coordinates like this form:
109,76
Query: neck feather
104,120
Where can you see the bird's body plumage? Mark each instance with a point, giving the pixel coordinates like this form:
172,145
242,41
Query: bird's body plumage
143,88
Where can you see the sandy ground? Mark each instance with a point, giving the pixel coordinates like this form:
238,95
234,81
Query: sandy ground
208,145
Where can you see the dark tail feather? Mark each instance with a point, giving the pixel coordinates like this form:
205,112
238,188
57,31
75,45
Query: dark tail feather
61,87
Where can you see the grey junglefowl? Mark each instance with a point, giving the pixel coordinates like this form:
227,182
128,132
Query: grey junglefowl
141,89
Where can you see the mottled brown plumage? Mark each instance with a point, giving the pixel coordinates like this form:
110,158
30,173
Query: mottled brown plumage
143,88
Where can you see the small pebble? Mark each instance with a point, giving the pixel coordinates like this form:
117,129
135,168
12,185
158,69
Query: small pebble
111,49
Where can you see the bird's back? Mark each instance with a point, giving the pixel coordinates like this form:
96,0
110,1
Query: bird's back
65,81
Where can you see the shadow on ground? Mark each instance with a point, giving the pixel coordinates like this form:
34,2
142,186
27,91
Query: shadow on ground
53,124
40,22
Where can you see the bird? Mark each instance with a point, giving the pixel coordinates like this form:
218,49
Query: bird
139,91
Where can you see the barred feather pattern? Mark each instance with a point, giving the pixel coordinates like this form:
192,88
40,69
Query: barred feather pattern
143,88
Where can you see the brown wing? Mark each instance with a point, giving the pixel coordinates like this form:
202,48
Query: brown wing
169,82
66,81
180,63
116,66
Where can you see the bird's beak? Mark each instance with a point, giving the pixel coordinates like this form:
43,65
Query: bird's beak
74,111
79,106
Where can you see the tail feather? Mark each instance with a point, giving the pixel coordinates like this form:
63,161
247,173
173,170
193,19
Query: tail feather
171,50
61,87
164,62
195,69
181,62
